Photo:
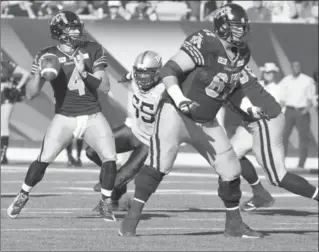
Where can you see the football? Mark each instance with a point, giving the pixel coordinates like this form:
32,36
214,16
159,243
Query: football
50,66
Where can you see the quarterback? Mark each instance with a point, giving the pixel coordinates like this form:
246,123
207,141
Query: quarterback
77,109
134,135
198,79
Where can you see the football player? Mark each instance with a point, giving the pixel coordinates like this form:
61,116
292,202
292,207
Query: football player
10,94
134,135
198,79
78,111
265,139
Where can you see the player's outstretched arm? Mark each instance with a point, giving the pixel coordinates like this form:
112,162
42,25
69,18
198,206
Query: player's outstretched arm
172,70
25,76
34,85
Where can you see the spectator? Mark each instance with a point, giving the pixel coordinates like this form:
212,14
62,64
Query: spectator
47,8
315,77
114,11
259,12
299,97
269,80
144,11
213,6
20,9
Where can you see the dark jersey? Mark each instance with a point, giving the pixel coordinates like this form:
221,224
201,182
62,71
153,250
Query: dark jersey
73,97
215,75
249,86
7,69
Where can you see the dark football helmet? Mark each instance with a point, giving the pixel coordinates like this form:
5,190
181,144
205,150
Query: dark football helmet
231,23
146,70
67,27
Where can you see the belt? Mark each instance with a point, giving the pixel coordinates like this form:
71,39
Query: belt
295,108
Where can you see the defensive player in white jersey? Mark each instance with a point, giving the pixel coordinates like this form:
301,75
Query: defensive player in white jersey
134,135
265,139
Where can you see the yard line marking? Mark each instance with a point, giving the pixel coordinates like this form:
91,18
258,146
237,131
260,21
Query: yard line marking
148,229
95,181
163,209
89,191
96,171
297,223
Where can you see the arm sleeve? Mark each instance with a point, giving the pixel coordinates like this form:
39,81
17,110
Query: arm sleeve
196,44
99,58
12,66
35,63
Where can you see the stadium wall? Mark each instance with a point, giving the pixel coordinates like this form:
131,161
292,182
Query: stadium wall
22,38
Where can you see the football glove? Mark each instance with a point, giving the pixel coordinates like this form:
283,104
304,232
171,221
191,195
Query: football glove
188,108
257,113
127,77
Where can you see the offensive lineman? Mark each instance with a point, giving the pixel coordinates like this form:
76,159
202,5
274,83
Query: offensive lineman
266,142
135,133
198,79
78,112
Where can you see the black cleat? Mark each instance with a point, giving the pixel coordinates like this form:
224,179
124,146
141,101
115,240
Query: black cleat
5,160
242,231
129,224
78,163
97,187
257,202
71,161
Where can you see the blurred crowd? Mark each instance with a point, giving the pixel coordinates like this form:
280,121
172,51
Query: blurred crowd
258,11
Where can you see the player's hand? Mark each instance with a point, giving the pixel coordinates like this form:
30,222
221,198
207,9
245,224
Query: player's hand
126,78
79,63
188,107
257,113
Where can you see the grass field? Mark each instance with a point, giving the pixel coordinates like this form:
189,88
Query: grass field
184,215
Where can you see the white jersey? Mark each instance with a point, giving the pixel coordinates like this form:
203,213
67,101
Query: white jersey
142,111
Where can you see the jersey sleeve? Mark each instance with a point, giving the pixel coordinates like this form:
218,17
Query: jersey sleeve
99,58
196,46
36,61
11,66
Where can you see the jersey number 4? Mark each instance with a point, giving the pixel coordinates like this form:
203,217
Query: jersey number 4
143,110
76,83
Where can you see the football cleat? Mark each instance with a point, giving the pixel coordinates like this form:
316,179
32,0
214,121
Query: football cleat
18,203
242,231
257,202
105,209
97,187
71,161
78,163
129,224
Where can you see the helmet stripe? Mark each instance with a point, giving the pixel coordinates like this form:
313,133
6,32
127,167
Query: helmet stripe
143,56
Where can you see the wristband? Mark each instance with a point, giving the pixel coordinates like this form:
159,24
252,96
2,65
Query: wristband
91,80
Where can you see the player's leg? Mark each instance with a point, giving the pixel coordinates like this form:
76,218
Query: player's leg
290,121
303,127
164,146
128,171
242,142
71,159
212,143
79,147
123,143
6,111
99,136
269,151
58,135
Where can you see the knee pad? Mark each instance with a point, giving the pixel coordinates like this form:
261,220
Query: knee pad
229,192
90,152
131,168
148,179
35,172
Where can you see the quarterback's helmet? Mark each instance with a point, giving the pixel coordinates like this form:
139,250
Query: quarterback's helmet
67,27
231,23
146,70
